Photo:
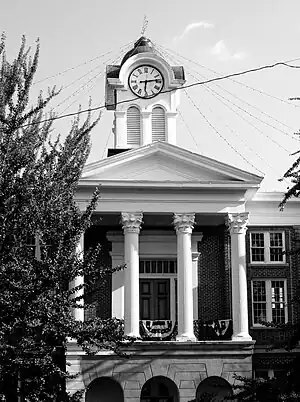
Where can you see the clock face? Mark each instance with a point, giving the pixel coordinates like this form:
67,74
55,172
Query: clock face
146,81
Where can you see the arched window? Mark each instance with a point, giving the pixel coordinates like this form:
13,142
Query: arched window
104,389
159,388
158,124
213,389
133,126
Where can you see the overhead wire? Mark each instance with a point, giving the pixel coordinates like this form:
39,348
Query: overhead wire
256,108
218,132
247,145
269,66
245,111
78,65
96,76
208,89
238,82
188,129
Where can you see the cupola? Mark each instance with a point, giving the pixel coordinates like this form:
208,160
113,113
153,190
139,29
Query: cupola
143,93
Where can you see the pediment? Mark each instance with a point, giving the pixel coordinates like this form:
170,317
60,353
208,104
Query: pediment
165,163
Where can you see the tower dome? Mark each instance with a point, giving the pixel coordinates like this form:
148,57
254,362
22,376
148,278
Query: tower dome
142,45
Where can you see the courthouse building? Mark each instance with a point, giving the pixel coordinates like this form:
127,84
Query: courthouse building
204,249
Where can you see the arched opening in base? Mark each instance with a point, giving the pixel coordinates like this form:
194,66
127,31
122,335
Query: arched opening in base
104,389
159,389
213,389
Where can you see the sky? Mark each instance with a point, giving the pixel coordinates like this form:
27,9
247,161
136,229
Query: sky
249,122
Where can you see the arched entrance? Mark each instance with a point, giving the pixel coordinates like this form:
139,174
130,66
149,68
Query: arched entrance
159,389
104,389
213,389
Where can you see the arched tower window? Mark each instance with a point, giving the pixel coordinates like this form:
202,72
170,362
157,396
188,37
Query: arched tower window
133,126
158,124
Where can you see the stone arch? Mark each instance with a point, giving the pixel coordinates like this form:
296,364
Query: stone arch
104,389
160,387
213,389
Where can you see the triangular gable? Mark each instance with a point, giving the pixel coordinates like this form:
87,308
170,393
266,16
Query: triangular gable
163,162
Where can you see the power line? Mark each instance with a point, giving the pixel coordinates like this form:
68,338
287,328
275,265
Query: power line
268,66
232,130
237,82
252,106
219,134
79,65
188,129
109,60
217,95
94,77
246,145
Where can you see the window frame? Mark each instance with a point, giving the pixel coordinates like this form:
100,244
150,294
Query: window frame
267,246
268,287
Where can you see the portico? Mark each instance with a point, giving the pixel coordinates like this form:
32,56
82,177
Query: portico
141,187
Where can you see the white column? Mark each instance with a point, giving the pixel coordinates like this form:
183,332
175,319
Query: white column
78,313
131,226
184,224
146,128
171,127
195,258
237,223
120,129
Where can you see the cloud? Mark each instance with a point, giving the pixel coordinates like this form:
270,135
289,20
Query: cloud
192,26
221,51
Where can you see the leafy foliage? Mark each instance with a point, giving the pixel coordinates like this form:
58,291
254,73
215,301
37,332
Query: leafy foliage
38,181
292,174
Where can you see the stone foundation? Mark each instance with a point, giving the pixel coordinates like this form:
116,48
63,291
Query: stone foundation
187,364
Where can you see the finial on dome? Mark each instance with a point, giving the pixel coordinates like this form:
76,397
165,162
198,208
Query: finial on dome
144,26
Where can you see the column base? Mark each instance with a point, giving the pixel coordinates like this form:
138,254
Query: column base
133,335
188,337
241,337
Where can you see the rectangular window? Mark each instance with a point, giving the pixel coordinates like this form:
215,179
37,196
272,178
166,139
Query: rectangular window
267,247
158,267
269,301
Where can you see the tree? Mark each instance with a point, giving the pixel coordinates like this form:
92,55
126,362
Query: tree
292,174
38,181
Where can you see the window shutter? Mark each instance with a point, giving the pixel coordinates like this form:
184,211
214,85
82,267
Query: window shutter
158,124
133,126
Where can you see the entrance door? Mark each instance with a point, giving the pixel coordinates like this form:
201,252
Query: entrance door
155,299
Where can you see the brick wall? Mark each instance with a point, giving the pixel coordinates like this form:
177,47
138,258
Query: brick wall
289,271
213,274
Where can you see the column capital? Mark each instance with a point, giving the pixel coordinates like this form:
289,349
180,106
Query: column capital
237,222
131,221
184,222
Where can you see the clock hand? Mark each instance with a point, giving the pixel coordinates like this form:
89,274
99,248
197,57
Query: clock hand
150,80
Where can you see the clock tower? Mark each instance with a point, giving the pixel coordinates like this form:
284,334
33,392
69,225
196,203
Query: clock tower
142,92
